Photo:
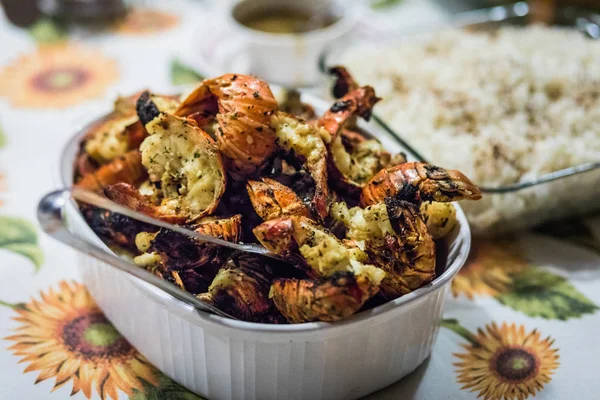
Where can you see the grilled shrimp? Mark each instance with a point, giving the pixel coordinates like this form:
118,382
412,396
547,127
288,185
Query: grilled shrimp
109,139
184,162
123,131
127,168
354,159
241,288
180,253
359,102
194,281
417,182
439,217
243,106
114,227
272,199
344,82
181,260
330,299
308,143
321,253
127,195
396,240
412,248
370,224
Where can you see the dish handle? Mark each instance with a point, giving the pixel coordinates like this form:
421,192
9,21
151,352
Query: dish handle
51,216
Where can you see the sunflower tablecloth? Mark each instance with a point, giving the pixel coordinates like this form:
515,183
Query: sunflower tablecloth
521,323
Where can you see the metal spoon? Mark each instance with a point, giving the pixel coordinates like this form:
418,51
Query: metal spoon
50,215
95,199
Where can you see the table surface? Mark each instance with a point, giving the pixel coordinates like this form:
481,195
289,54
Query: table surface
520,323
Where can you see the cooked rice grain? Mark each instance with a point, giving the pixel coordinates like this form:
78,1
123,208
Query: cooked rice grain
502,107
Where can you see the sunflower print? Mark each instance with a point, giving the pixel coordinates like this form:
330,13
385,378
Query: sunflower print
57,76
140,21
504,362
489,269
65,336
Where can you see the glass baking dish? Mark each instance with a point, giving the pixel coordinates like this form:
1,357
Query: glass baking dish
563,193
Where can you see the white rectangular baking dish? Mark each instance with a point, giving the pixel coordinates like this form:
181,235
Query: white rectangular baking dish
221,358
568,192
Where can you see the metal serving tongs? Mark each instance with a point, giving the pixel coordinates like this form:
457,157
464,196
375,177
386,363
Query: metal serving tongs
51,217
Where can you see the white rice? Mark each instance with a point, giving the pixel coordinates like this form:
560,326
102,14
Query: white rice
501,108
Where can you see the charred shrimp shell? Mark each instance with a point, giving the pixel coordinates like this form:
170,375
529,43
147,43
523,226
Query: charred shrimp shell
194,281
412,251
318,252
180,253
242,106
354,158
307,143
272,199
417,182
127,169
186,167
122,131
396,240
329,299
116,228
353,161
344,83
241,288
358,102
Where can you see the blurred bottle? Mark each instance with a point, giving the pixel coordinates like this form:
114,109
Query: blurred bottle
25,12
21,12
83,10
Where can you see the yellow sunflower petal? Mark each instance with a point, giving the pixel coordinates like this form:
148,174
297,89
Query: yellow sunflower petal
99,379
45,373
83,299
144,370
67,369
109,388
35,348
66,290
125,379
47,361
76,385
488,270
14,337
86,375
34,332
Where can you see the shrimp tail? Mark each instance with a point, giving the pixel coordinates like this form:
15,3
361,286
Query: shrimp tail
344,82
417,182
145,107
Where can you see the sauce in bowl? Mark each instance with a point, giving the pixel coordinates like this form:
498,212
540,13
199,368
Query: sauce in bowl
285,20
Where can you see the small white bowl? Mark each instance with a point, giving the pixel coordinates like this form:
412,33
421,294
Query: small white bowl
286,59
221,358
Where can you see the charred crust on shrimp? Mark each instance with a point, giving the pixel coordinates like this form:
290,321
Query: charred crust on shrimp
146,108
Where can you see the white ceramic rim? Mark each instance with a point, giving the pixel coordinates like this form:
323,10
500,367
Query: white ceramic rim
219,323
342,25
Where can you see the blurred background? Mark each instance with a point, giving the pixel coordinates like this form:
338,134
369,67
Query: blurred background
64,62
204,33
